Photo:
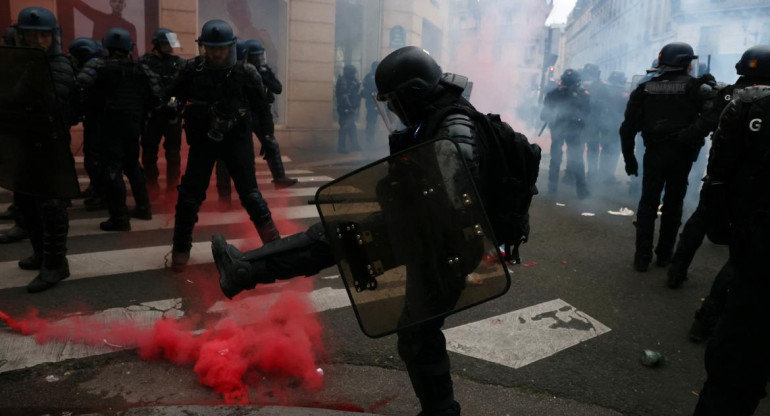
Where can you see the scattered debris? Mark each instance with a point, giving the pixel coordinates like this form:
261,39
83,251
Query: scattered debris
474,279
564,262
52,378
190,281
623,212
559,204
223,351
588,214
320,371
652,358
529,264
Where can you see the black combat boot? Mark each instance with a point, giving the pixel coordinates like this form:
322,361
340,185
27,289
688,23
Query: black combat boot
274,162
55,267
268,232
142,212
179,259
33,262
676,275
13,234
116,224
702,326
642,262
235,274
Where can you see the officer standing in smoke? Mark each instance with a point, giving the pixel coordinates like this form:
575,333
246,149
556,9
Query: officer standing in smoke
597,130
736,189
45,217
255,55
162,61
124,91
412,85
662,107
347,91
222,98
565,110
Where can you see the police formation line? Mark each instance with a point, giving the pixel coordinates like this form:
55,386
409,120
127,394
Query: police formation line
223,100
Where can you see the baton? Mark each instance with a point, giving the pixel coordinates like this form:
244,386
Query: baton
541,129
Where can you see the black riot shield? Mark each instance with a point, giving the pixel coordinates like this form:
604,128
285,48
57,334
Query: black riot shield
409,234
36,158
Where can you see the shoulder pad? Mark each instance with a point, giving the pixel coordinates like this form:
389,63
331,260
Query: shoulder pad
457,126
753,93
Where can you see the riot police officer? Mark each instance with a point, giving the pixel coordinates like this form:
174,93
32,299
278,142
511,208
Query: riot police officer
270,151
124,92
662,107
737,188
347,92
222,96
46,218
565,110
597,128
162,61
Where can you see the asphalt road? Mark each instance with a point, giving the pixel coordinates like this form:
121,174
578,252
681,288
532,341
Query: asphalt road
577,259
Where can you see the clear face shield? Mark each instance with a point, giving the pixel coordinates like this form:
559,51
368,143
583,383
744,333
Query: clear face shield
391,120
693,68
173,40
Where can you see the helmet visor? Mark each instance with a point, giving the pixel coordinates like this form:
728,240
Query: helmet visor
392,122
172,39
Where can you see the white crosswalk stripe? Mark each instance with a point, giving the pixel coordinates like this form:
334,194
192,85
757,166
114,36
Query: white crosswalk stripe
513,339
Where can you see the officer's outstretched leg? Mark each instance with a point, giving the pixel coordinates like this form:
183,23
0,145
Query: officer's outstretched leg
224,190
133,171
575,165
115,194
272,155
55,224
608,161
301,254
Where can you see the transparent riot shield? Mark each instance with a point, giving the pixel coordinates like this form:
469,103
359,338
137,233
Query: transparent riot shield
36,158
411,238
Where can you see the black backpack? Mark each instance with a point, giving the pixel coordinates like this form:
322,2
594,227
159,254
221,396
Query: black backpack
508,169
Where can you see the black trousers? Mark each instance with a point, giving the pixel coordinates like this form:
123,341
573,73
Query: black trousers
738,354
348,133
91,137
575,166
47,223
371,123
159,128
690,240
119,155
236,151
666,166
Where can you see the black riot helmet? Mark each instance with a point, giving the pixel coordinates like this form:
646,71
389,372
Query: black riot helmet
676,55
256,52
755,62
83,49
38,18
617,78
167,36
349,71
406,80
591,71
118,39
570,78
9,36
216,33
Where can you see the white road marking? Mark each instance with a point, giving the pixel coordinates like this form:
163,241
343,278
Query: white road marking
522,337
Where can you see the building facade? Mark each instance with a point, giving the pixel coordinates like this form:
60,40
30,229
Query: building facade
626,35
308,41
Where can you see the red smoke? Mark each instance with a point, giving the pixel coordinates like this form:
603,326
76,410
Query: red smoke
281,342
